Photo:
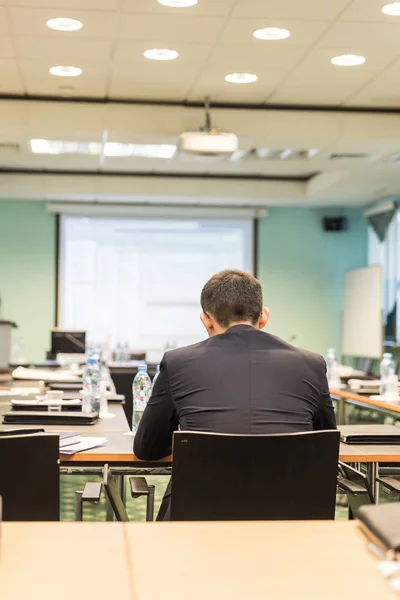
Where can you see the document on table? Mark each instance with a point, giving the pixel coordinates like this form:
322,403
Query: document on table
44,374
86,443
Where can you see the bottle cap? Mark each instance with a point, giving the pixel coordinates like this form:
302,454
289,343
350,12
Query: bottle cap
142,368
387,355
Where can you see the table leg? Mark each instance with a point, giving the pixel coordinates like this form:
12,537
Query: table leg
340,411
372,475
121,487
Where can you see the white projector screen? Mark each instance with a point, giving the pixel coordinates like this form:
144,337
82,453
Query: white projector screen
362,325
139,280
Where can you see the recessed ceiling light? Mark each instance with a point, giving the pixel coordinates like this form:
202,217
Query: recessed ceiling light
62,71
348,60
161,54
178,3
392,9
241,78
64,24
271,33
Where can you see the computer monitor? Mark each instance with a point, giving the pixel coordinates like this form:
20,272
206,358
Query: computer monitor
68,342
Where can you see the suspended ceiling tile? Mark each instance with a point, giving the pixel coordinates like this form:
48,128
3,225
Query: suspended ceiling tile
367,10
255,57
189,54
5,28
6,47
170,29
93,82
351,36
303,33
63,51
10,79
290,9
67,4
383,90
32,21
217,8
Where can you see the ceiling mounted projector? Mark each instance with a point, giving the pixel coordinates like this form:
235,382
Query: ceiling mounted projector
208,141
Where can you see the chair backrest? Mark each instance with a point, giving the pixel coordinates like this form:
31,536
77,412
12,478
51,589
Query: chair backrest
360,479
113,495
254,477
365,364
30,477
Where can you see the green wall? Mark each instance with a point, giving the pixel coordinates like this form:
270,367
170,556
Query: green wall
301,268
27,272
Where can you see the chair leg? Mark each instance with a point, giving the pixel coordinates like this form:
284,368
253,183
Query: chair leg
150,504
78,506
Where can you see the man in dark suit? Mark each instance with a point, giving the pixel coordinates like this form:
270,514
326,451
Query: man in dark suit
240,380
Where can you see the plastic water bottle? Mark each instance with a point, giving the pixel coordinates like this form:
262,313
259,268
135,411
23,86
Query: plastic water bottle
387,370
141,390
332,369
91,387
126,352
156,375
118,353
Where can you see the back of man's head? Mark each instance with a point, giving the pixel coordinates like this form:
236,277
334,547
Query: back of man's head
231,297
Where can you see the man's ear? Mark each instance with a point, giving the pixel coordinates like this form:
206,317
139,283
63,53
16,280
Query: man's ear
263,320
207,322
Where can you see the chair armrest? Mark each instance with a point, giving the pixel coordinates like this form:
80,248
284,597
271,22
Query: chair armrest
390,484
349,487
139,487
92,492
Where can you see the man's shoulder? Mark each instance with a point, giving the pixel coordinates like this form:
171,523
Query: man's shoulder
306,355
179,353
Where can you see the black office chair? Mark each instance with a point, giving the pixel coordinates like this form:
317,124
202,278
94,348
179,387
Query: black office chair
254,477
356,486
29,477
92,493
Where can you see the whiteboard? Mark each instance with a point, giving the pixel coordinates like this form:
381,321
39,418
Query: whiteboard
138,281
362,325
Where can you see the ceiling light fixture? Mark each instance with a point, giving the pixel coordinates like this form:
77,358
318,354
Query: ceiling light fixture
241,78
348,60
62,71
161,54
271,33
392,9
178,3
64,24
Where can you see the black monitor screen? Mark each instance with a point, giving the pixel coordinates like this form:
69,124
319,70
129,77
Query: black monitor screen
68,342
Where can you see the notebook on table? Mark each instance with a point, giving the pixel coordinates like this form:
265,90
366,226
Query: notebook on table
34,417
381,524
42,405
370,434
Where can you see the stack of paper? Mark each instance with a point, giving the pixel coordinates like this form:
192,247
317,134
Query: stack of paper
85,443
44,375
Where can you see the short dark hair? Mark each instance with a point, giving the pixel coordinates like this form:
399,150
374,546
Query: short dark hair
232,296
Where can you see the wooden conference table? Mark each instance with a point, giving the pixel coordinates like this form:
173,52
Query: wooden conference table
344,396
118,451
241,560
